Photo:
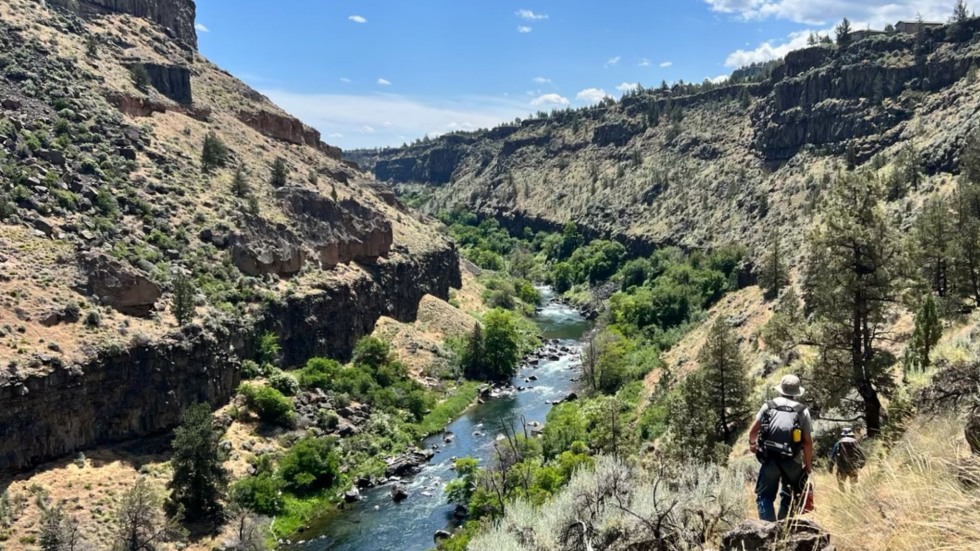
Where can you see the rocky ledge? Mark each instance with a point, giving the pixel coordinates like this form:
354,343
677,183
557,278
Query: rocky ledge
122,393
176,16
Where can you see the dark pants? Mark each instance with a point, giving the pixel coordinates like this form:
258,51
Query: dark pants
774,475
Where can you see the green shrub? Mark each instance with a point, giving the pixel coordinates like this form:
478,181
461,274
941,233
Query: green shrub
214,153
268,403
260,494
311,464
372,352
284,383
250,369
327,420
141,78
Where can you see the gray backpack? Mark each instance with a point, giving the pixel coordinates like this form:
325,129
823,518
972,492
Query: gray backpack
779,422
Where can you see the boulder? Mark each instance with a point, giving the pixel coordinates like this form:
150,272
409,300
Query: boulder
121,286
796,535
257,259
408,462
352,495
441,535
398,493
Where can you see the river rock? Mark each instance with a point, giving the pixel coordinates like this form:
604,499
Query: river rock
398,493
408,462
352,495
441,535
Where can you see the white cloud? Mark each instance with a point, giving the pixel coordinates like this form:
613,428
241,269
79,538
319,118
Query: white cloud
613,61
367,129
876,13
592,95
357,19
550,100
335,135
541,80
410,118
345,80
628,86
530,15
201,28
644,62
384,82
666,64
720,79
768,50
523,29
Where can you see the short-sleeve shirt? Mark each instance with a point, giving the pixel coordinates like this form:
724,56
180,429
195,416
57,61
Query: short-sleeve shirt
806,424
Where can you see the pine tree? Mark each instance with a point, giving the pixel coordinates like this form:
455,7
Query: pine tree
59,532
692,425
911,166
239,185
925,336
774,275
850,278
199,479
183,298
960,12
843,31
966,242
727,382
473,360
970,158
138,519
934,238
280,173
214,153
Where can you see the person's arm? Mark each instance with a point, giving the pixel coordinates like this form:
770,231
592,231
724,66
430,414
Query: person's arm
808,452
754,436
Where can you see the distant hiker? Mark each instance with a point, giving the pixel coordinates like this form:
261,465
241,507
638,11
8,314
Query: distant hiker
847,457
781,438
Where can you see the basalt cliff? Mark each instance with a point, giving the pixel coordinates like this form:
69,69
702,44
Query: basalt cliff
107,199
697,165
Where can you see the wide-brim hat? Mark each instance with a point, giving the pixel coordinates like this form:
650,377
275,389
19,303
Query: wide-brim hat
790,386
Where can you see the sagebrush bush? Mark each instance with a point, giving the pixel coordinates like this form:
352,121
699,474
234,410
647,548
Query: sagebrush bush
284,383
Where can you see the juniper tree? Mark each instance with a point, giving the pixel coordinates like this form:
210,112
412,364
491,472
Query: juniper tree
214,153
934,239
925,336
140,76
239,184
182,303
199,479
850,280
139,522
60,532
966,242
773,275
911,165
960,12
970,158
473,360
725,378
280,173
843,32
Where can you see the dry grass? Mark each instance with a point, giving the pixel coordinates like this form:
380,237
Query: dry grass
924,494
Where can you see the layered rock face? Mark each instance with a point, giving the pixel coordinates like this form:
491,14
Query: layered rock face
129,393
118,395
172,81
287,129
323,231
177,16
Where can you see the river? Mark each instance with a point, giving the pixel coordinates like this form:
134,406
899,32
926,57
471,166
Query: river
377,523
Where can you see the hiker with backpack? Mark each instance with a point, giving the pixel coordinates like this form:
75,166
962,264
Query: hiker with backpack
847,457
782,439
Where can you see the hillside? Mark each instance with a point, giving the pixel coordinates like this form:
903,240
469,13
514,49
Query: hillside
699,165
104,201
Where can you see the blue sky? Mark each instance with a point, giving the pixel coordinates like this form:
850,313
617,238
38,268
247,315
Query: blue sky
385,72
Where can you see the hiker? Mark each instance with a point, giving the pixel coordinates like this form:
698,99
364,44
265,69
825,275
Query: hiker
847,457
781,438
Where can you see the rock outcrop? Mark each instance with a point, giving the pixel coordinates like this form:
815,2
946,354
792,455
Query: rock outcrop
972,431
118,395
176,16
287,129
118,285
796,535
322,230
127,393
173,81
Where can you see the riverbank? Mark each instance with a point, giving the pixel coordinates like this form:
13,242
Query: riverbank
378,523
